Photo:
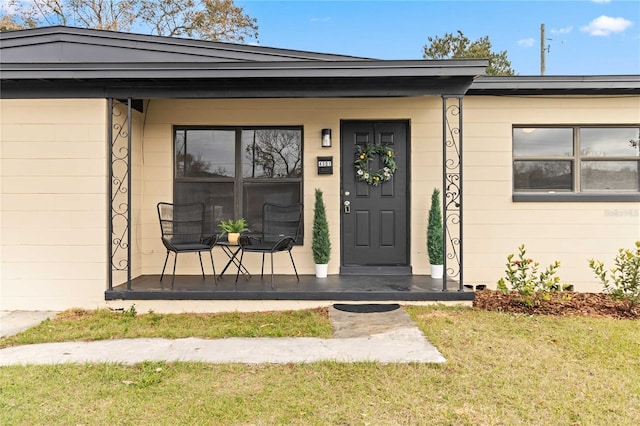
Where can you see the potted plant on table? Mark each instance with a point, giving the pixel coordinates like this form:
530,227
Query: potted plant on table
321,246
435,236
233,228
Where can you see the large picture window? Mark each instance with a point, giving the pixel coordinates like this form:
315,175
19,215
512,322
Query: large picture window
234,171
576,160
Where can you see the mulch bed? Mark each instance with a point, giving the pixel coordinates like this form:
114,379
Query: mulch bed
561,304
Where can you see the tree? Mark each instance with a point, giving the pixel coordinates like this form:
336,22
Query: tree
460,47
8,23
217,20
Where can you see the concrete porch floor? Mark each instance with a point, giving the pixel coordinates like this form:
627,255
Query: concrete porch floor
334,287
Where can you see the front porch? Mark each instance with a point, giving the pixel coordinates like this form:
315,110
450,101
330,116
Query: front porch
334,287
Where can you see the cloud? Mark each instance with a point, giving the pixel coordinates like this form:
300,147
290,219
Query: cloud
605,25
565,30
601,1
526,42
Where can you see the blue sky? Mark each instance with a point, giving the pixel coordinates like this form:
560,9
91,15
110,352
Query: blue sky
588,37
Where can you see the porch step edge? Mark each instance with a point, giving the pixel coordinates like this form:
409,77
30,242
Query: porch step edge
376,270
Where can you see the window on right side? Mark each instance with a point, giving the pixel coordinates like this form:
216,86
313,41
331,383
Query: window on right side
576,160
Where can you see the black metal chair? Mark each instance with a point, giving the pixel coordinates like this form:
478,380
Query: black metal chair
280,230
182,232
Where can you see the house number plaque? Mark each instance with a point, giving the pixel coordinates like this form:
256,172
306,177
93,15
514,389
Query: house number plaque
325,165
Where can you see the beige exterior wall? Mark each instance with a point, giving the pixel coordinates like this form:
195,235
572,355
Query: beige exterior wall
52,203
53,199
424,115
569,232
494,225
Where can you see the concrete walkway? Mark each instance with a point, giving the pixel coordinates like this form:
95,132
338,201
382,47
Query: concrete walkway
13,322
387,337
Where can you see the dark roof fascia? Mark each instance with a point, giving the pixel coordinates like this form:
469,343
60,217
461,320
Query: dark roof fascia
556,85
48,35
198,70
241,79
237,88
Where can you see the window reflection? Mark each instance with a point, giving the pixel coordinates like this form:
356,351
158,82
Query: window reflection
205,153
541,142
610,175
272,153
543,175
605,159
605,142
235,170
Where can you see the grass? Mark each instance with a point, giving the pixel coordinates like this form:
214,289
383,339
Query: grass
79,324
501,369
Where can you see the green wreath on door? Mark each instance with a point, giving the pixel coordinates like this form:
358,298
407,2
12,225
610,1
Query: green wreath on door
365,155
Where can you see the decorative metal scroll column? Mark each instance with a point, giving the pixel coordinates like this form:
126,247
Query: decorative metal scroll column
452,189
119,121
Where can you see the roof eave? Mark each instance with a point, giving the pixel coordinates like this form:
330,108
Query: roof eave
549,85
199,70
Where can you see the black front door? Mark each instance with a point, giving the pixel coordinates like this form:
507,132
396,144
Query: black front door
375,219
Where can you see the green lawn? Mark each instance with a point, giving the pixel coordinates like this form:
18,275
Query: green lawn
78,324
501,369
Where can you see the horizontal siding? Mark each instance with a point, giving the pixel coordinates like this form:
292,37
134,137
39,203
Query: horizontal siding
569,232
53,191
424,115
52,203
60,167
60,150
492,219
52,294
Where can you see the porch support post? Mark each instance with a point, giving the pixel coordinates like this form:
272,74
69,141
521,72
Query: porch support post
452,189
119,208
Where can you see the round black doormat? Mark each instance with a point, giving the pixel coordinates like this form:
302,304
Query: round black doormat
366,308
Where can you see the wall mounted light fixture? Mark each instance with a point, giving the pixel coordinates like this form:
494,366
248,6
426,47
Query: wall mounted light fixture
326,138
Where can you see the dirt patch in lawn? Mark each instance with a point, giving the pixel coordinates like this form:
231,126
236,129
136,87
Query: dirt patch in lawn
562,304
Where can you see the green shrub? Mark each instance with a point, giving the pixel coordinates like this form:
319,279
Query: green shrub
523,277
625,276
434,231
321,245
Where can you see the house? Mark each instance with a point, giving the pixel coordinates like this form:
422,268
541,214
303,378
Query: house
97,127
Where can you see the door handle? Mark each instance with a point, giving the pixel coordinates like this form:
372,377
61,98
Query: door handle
347,207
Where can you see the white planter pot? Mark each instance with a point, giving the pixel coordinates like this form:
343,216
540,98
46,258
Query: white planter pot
321,270
437,271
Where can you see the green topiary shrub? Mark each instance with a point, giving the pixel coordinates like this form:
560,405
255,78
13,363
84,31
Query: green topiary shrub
435,237
321,246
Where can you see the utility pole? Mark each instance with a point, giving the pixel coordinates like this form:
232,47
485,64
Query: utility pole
542,51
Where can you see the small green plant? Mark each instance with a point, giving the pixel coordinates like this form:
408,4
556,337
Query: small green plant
624,282
321,245
523,277
231,226
131,312
149,374
434,231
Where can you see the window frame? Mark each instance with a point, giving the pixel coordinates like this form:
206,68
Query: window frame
576,194
238,180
